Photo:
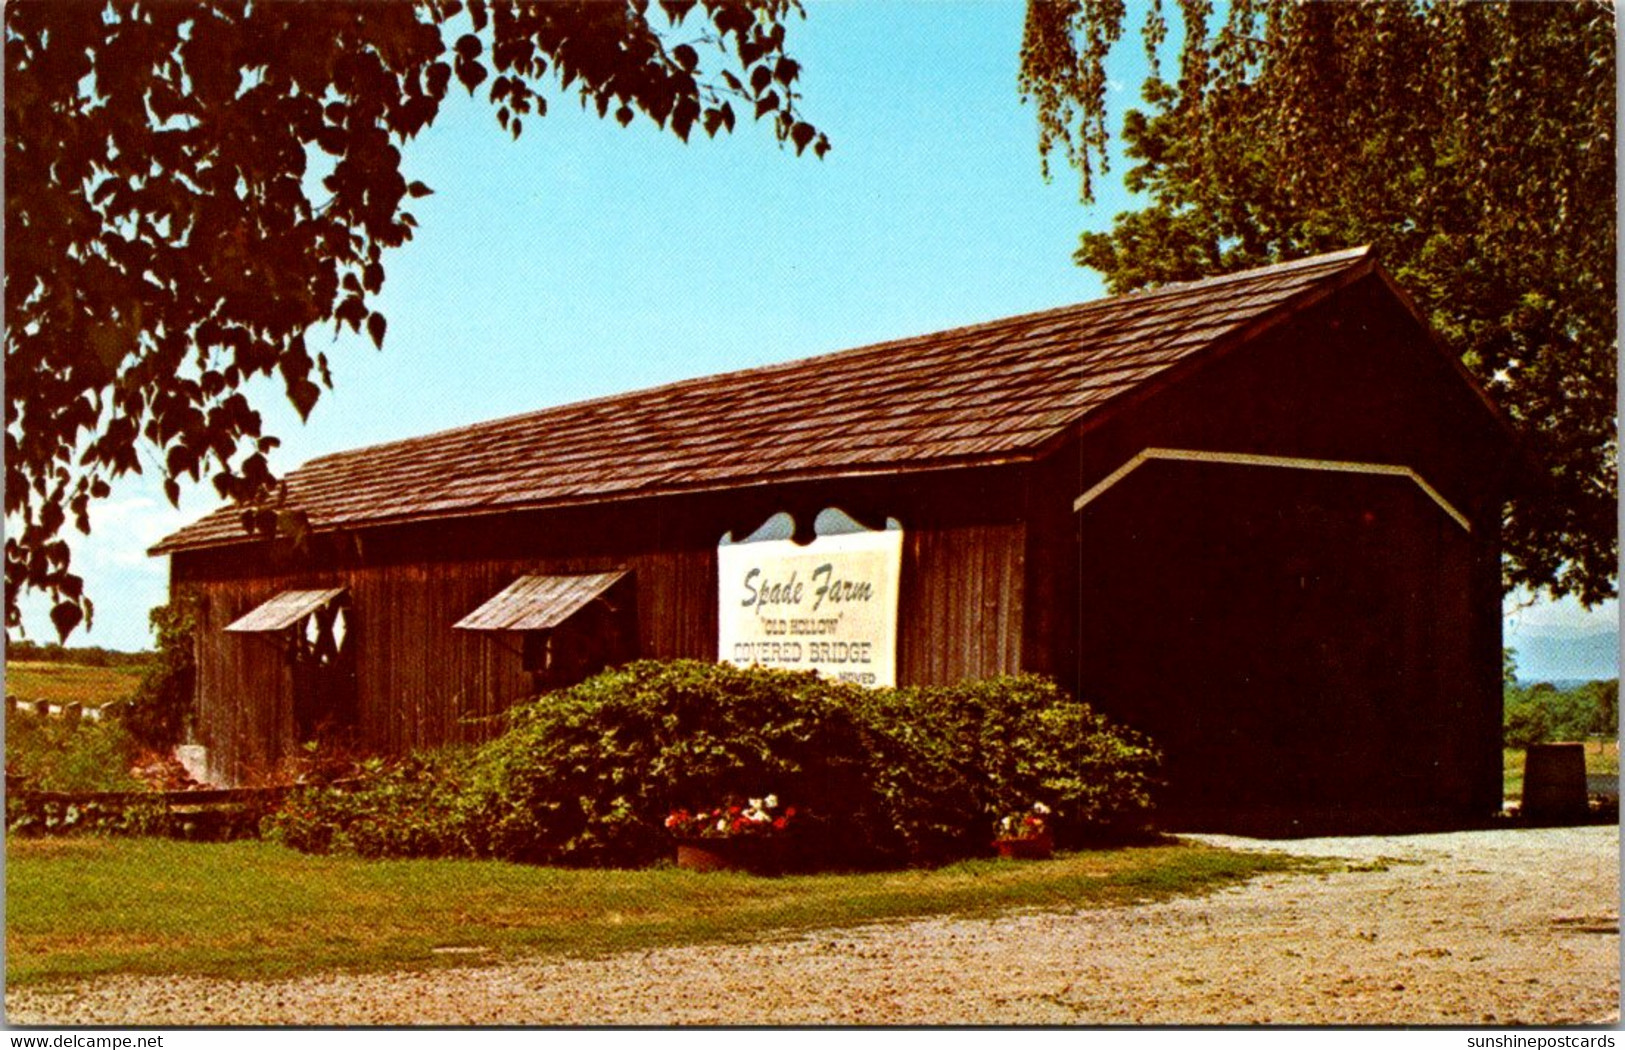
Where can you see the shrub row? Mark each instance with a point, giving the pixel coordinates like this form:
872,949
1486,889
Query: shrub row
587,776
63,754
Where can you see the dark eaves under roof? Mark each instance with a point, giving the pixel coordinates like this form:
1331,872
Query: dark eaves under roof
991,393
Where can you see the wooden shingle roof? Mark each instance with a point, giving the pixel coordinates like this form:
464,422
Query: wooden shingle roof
989,393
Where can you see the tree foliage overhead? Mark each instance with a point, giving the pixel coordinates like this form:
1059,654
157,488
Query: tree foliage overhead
190,187
1472,144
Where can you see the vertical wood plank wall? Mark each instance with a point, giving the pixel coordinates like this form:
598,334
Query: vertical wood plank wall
420,683
241,679
961,603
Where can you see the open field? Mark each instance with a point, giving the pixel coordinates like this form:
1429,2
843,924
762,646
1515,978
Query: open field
1602,759
64,683
254,910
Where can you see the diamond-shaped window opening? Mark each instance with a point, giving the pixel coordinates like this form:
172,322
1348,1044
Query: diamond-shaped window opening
308,624
322,635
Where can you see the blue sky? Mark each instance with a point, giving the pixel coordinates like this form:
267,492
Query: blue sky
587,259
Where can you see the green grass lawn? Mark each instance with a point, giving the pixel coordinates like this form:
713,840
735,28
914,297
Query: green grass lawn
62,683
87,906
1602,759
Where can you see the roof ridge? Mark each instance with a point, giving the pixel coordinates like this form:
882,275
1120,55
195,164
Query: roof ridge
978,327
1272,270
990,392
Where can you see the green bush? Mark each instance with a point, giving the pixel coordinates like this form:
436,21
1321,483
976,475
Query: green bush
1542,712
587,776
408,808
1526,723
158,713
58,754
1001,744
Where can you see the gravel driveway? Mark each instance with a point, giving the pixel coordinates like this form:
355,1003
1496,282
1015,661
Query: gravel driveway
1507,927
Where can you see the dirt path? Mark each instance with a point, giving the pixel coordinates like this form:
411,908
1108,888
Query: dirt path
1498,927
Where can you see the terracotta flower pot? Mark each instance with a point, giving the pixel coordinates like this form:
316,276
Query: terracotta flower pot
757,855
700,855
1027,847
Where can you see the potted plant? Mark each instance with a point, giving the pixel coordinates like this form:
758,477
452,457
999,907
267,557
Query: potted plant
735,836
1025,836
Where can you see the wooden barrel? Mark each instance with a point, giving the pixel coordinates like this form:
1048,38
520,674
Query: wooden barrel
1554,782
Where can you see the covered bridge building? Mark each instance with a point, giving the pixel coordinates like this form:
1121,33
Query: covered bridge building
1255,516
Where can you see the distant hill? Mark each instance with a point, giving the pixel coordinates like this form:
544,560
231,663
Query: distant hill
1561,657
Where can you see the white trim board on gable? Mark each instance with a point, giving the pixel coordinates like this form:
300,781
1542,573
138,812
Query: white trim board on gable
1249,459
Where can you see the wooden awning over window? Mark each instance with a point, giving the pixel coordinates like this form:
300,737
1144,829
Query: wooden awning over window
283,611
539,603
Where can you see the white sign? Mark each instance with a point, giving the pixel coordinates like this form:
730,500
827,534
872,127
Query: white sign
829,607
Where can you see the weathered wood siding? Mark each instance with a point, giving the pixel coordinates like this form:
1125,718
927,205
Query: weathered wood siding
1383,673
960,612
420,683
240,679
1297,642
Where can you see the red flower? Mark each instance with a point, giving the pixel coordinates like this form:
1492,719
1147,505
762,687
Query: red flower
729,820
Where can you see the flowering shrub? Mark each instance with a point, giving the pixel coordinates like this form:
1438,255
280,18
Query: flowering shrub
989,747
1030,824
590,774
758,817
594,774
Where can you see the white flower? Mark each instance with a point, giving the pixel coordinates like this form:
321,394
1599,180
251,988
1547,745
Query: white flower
1041,809
755,803
771,802
722,825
